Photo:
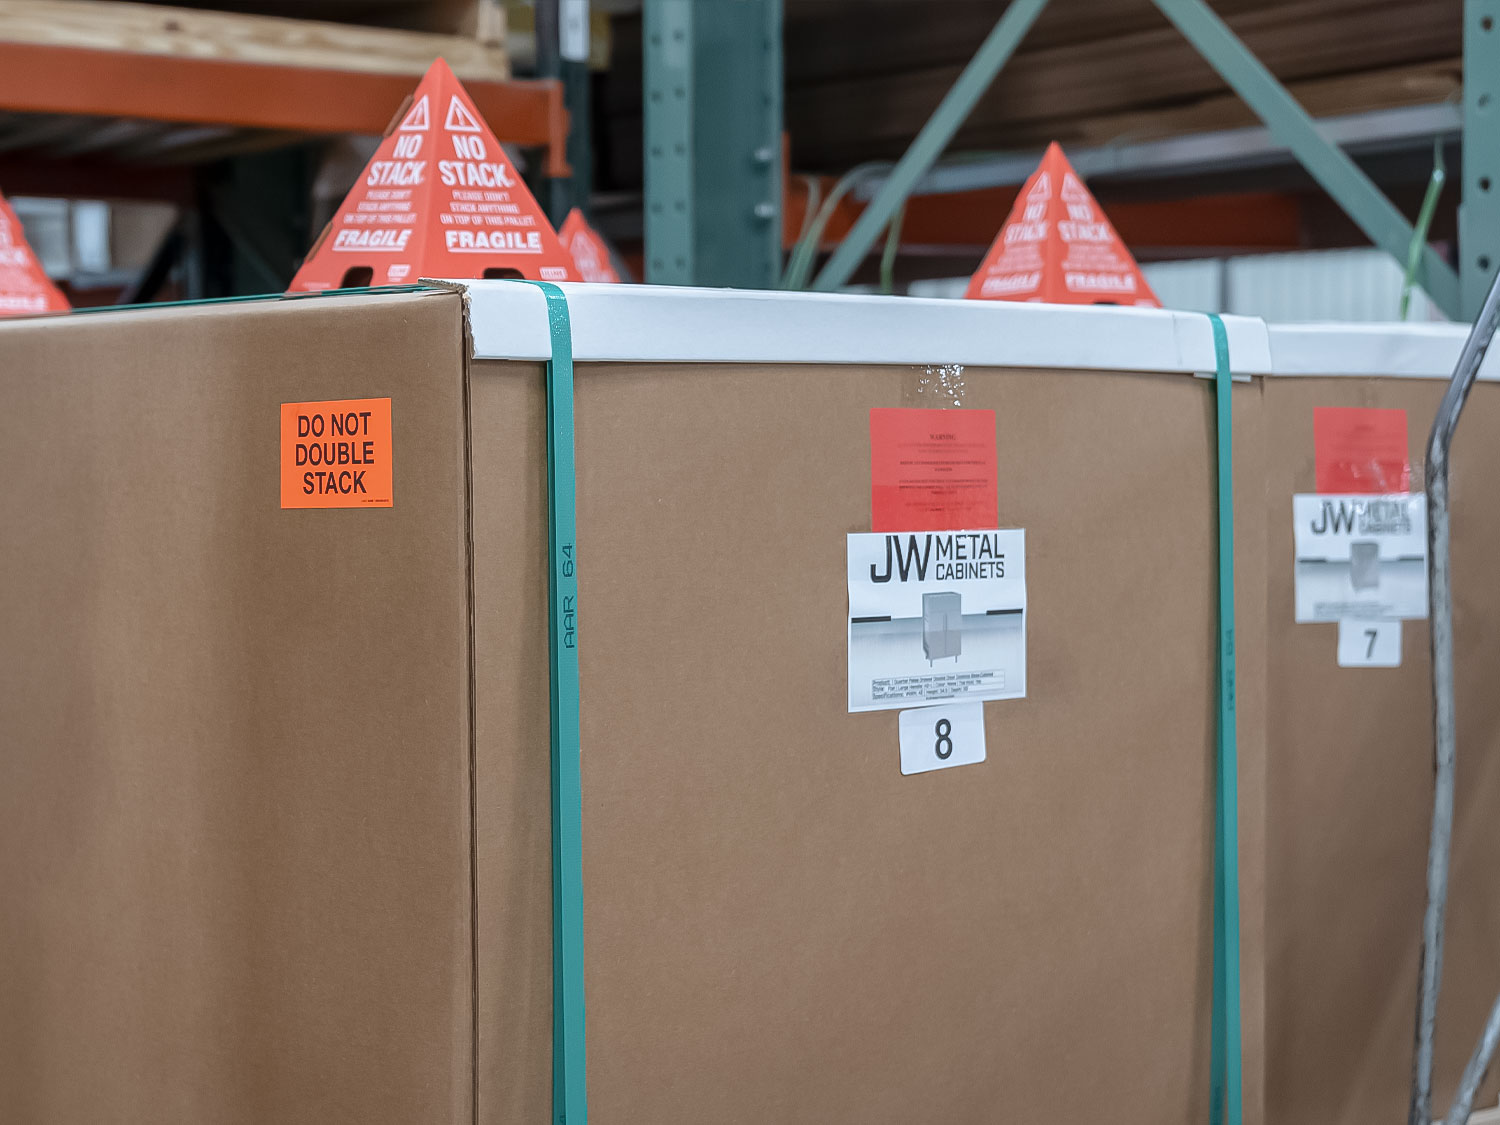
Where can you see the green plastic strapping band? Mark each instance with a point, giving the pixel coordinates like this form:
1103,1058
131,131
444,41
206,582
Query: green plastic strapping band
569,1055
1225,1077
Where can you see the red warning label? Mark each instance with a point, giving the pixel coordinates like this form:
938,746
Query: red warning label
933,470
1360,449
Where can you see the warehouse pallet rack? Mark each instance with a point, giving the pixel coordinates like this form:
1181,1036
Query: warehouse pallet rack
211,111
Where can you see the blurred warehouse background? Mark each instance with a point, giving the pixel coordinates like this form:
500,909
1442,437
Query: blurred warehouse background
158,152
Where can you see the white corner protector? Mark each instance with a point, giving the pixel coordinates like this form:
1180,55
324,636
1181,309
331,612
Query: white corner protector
1413,351
667,324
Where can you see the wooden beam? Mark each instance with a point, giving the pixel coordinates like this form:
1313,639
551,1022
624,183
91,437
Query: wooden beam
150,30
1390,88
836,124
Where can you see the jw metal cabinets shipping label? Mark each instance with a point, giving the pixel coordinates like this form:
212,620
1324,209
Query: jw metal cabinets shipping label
1360,557
936,616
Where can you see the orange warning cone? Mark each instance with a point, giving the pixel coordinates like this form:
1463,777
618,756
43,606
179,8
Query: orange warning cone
24,287
438,199
586,245
1057,245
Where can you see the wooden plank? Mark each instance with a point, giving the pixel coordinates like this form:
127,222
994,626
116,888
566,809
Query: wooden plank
1391,88
151,30
836,124
828,40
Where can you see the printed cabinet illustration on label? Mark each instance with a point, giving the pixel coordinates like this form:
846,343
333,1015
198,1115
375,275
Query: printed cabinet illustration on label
942,625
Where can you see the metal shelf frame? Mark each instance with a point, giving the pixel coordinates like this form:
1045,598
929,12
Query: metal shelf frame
1458,294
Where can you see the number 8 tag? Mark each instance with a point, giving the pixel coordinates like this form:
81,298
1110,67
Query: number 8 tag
934,738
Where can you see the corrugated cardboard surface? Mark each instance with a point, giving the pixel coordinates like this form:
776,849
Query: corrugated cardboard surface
779,925
236,813
512,781
234,740
1350,794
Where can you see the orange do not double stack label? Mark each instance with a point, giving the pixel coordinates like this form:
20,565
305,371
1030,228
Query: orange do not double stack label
336,454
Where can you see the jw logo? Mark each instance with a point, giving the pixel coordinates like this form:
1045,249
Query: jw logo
1335,517
905,561
951,555
1364,517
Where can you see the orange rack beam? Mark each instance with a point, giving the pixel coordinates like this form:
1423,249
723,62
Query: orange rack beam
110,83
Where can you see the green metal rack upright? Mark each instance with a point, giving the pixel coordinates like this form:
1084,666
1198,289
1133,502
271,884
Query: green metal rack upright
713,98
1479,211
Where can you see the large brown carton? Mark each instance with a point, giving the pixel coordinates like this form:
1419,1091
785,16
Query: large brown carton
235,828
273,809
1350,753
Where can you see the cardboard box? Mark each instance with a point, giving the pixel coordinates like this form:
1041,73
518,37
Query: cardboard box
274,802
1350,758
237,840
779,925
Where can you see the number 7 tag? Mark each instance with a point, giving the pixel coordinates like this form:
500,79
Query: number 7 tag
934,738
1369,644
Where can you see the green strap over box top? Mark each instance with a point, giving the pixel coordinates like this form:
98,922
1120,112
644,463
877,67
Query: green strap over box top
1225,1078
569,1054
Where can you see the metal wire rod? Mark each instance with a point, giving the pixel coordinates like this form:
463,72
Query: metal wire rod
1479,1062
1440,610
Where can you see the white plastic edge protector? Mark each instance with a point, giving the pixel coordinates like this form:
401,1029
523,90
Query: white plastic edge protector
667,324
1412,351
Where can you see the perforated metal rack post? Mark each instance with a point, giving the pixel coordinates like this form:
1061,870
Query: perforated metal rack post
713,90
1440,609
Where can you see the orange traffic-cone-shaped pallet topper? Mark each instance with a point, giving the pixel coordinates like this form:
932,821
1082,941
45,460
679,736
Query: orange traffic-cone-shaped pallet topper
1057,245
590,253
24,288
438,199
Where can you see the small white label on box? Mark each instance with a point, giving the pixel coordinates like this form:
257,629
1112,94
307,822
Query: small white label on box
1360,557
1369,644
934,738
